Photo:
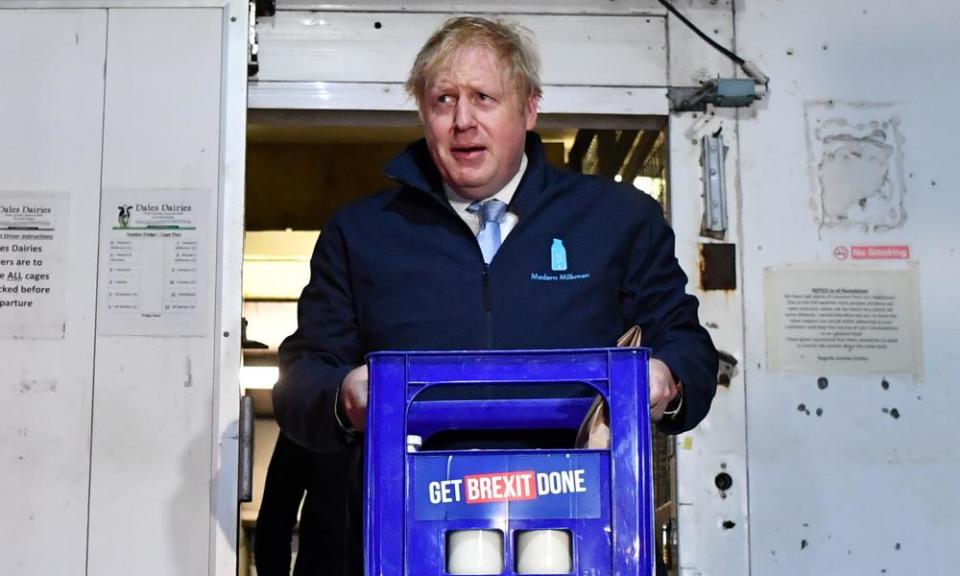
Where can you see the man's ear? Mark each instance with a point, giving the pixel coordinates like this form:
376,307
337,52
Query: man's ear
533,103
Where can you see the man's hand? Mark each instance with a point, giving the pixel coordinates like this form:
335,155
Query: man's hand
354,391
663,388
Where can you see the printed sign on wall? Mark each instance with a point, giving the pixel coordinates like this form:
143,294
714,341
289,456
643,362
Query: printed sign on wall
843,320
33,233
154,258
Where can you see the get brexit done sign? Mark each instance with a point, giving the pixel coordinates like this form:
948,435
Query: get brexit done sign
493,486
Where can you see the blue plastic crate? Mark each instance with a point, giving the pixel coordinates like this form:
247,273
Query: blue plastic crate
602,497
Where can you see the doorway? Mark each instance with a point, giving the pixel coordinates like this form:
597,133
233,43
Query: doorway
302,165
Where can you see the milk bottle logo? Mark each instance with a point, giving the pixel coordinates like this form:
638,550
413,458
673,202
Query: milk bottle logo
558,256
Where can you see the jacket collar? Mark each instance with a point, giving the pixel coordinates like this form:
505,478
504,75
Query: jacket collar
414,168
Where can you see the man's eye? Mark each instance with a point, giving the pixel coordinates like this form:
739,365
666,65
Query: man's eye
484,97
444,99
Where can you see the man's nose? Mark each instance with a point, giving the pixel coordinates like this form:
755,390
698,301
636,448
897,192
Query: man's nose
464,118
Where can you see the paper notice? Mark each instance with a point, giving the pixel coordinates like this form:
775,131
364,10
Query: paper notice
853,321
153,262
33,233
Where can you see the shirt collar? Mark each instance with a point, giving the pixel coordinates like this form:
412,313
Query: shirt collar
505,195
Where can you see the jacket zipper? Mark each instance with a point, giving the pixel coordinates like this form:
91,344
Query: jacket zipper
484,274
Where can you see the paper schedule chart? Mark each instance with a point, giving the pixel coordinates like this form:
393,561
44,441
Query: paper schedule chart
154,276
153,252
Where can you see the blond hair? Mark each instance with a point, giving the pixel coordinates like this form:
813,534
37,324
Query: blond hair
510,42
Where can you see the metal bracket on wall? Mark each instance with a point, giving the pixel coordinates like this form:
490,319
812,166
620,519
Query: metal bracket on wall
721,93
712,155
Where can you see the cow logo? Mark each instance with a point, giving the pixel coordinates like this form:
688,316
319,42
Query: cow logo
123,218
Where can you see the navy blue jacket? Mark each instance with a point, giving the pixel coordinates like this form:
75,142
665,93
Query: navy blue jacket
401,271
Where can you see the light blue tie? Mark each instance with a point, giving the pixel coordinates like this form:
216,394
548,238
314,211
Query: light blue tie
491,214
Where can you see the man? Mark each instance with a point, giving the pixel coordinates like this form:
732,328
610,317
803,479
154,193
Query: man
418,267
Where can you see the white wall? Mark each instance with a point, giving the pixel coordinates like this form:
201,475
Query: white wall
49,144
116,442
153,397
852,490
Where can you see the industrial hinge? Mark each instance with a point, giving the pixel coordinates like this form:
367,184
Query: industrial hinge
253,65
245,463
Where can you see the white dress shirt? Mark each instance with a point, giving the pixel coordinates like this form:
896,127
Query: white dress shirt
505,195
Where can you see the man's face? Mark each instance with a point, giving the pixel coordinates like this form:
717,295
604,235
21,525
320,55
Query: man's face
475,123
